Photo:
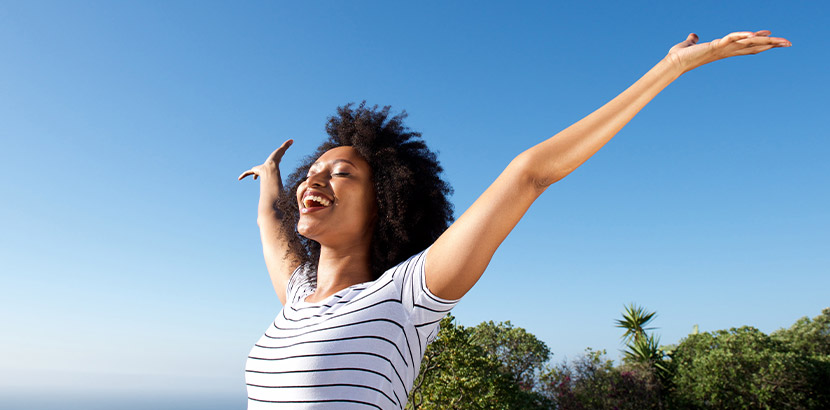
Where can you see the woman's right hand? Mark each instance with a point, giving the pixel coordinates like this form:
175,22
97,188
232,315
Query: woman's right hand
270,184
270,169
690,54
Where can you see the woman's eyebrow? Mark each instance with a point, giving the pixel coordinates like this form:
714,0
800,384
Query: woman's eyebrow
332,162
344,160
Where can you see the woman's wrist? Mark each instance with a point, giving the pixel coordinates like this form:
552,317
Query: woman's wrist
672,66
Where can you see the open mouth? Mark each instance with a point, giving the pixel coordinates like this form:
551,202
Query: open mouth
315,201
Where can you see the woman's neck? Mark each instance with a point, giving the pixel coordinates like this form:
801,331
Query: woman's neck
339,268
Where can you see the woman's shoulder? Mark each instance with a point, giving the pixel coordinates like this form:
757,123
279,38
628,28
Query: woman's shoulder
411,266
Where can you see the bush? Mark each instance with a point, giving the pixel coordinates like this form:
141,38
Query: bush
498,366
592,382
744,369
811,337
459,373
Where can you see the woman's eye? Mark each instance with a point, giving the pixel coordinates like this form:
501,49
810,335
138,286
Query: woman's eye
341,174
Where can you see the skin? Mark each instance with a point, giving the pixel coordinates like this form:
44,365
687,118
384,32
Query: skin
278,259
460,255
344,229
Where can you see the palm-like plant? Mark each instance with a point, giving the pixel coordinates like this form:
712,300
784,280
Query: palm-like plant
634,321
642,347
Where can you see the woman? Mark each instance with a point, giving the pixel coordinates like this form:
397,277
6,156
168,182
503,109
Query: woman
359,256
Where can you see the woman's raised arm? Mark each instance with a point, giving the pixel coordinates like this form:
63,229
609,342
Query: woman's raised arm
461,254
279,261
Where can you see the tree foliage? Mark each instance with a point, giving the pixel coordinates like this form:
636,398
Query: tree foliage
743,368
500,366
634,321
520,354
591,382
459,373
642,348
812,337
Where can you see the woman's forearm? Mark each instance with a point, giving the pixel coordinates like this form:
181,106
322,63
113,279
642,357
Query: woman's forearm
558,156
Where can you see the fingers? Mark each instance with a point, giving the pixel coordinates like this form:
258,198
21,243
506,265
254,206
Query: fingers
245,174
692,38
761,41
759,45
753,50
253,171
745,35
751,42
276,156
732,37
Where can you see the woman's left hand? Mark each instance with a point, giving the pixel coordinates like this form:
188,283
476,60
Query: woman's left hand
689,54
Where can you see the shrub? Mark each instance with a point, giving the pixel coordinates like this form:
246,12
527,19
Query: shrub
742,368
592,382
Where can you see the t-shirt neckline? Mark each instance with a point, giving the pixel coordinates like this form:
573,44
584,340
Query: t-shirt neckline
339,292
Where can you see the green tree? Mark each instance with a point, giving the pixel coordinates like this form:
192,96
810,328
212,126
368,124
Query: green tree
811,337
520,353
499,366
743,368
458,373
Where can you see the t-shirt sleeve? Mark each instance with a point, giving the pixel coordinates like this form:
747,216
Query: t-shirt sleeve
425,309
298,281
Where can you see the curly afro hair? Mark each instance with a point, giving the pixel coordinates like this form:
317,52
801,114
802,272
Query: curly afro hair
413,209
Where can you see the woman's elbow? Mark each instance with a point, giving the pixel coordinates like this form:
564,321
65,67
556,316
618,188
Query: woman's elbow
540,173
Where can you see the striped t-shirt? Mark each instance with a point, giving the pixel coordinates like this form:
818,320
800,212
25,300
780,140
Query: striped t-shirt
361,348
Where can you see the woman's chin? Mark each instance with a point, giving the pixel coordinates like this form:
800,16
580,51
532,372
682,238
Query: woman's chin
312,231
305,231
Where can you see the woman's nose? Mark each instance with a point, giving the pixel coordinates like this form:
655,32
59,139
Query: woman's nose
317,179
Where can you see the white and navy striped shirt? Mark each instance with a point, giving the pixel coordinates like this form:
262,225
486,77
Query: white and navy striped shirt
361,348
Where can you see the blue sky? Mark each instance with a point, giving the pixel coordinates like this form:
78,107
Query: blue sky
130,259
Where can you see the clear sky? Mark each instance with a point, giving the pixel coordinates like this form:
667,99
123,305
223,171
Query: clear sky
130,261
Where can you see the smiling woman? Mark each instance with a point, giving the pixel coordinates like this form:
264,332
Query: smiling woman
371,163
356,319
337,202
360,252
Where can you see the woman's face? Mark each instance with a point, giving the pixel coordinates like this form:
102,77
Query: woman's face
337,200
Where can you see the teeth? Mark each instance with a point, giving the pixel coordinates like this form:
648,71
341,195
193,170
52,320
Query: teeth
323,201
